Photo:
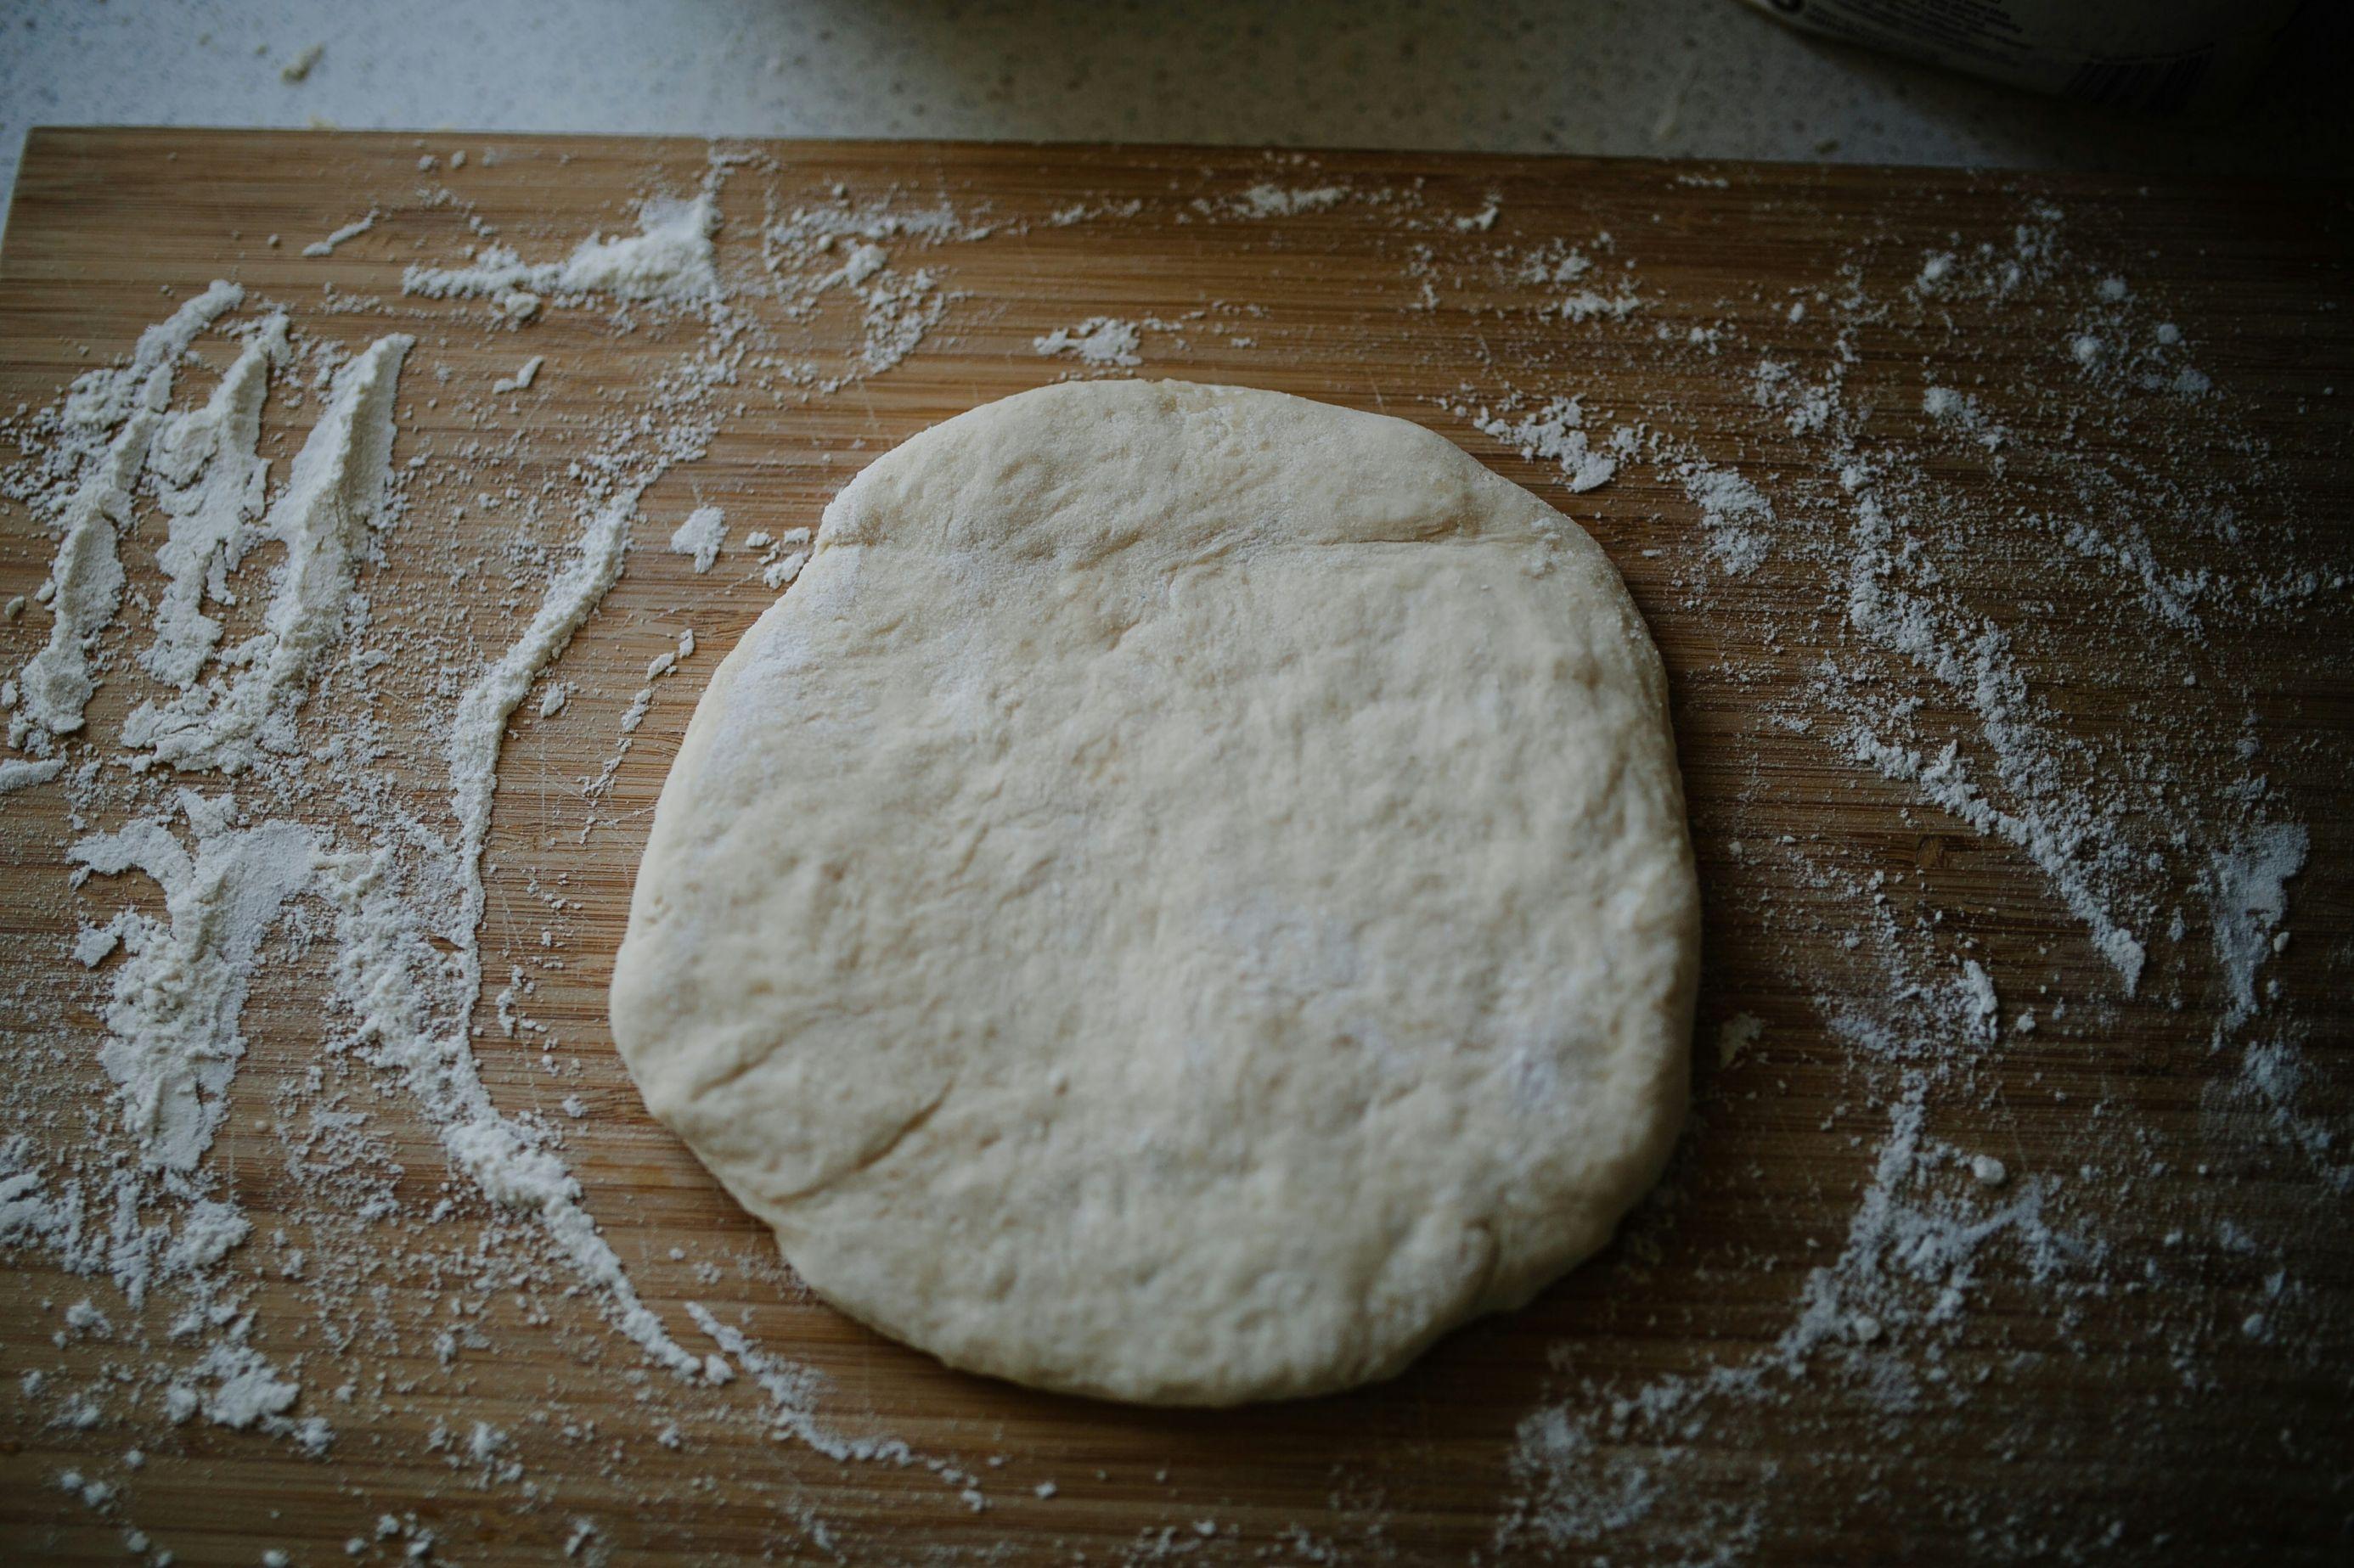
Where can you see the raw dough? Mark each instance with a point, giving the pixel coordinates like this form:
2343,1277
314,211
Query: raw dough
1186,900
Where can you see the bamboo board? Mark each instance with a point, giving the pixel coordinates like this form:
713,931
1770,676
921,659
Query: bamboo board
2114,1406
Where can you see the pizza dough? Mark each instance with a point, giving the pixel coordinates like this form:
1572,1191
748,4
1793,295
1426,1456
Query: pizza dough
1186,900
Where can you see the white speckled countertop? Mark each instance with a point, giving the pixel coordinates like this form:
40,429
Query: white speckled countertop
1688,78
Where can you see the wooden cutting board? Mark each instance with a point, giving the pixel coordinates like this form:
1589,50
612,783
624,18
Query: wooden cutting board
2158,1369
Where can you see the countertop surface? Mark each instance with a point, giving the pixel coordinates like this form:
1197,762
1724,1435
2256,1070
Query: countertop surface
1991,531
1673,78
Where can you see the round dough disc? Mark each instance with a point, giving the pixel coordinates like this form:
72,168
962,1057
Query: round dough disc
1186,899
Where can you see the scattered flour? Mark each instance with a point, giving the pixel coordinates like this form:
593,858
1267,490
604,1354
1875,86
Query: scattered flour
410,1009
525,374
1097,341
211,484
130,402
792,1391
1590,304
1948,406
352,230
1901,1282
17,774
702,536
173,1036
335,499
1736,1036
1736,516
1980,1008
2248,890
1484,220
670,259
1556,433
1267,201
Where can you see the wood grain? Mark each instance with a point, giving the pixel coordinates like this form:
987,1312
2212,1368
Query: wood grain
2114,1410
